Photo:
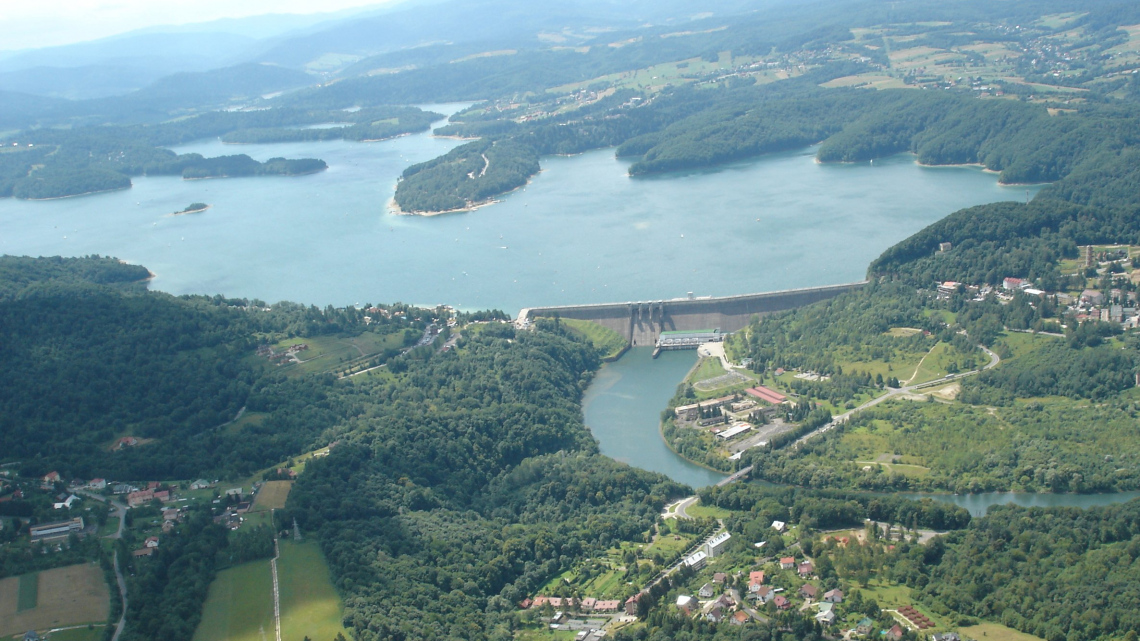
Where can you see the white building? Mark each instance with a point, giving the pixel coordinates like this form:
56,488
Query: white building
716,545
697,560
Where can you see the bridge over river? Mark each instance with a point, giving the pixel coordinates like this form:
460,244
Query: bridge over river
641,323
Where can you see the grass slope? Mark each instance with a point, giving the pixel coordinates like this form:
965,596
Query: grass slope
239,606
310,606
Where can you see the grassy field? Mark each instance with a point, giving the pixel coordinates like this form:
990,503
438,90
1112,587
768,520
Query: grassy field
73,595
610,343
29,592
272,495
700,511
995,632
707,368
239,606
328,353
309,603
247,419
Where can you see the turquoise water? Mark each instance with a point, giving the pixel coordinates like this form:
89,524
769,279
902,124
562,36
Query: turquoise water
623,407
581,232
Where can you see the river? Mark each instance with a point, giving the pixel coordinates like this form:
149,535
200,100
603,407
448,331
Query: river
623,407
581,232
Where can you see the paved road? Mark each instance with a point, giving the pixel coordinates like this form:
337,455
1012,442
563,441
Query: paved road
120,511
680,508
122,593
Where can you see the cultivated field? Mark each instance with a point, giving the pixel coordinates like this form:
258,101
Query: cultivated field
310,606
239,606
64,596
272,495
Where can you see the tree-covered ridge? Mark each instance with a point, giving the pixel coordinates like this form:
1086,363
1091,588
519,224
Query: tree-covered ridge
54,163
363,125
118,361
1058,573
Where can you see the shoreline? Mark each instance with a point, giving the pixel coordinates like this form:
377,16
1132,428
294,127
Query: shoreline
396,210
190,211
86,193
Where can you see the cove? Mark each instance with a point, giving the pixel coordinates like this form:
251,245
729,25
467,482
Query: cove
623,406
583,231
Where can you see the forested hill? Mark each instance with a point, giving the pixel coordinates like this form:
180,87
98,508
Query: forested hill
461,489
92,356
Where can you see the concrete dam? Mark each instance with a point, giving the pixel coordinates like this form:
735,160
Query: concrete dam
641,323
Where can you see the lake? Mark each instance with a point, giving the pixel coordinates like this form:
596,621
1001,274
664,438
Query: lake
581,232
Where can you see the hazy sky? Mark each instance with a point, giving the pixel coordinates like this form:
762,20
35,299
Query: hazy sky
42,23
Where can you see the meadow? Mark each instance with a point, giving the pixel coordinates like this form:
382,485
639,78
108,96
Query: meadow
72,595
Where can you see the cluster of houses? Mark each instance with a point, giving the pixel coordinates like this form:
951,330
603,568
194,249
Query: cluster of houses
588,605
1114,306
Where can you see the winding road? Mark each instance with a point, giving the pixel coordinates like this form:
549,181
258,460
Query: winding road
891,393
121,514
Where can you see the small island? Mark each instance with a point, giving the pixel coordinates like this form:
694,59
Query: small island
192,208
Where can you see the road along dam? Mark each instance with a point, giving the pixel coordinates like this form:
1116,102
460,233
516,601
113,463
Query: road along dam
641,323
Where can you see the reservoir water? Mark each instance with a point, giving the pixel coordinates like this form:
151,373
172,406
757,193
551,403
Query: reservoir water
582,231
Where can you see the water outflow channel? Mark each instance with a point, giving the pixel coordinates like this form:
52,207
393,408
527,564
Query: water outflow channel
623,410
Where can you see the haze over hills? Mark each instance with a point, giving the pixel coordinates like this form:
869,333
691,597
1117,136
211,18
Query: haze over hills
390,472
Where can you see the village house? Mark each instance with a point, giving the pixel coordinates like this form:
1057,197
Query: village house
707,591
715,614
808,591
152,541
787,562
587,604
97,484
686,603
755,580
779,526
631,604
607,606
826,614
895,633
833,596
144,552
804,569
763,594
865,625
719,578
66,503
141,497
740,618
782,603
49,480
201,484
